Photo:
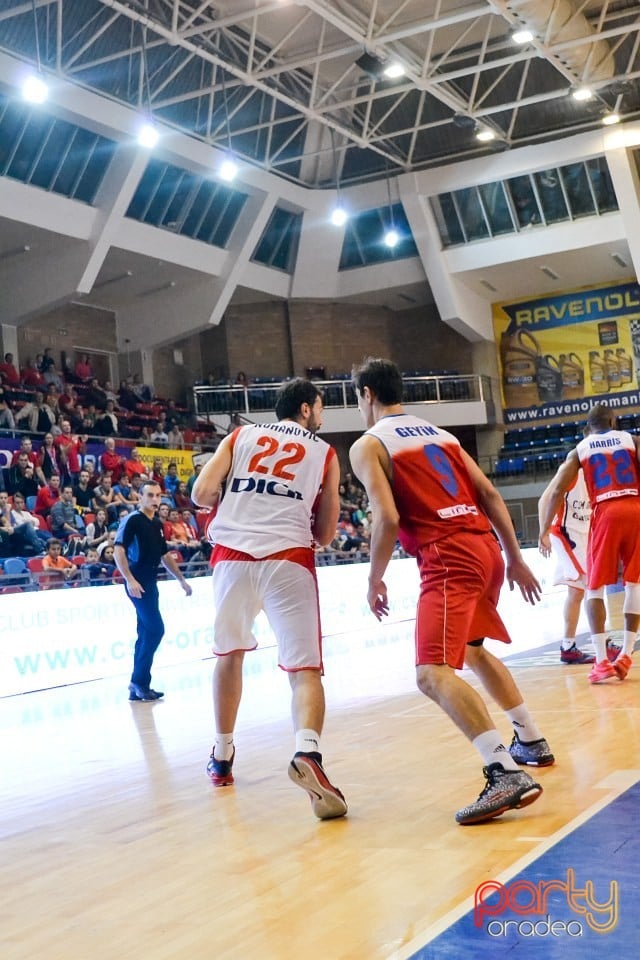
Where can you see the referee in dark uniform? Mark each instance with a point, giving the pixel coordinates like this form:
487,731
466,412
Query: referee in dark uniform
140,546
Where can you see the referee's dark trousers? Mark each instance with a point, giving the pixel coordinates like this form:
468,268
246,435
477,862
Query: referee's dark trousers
150,632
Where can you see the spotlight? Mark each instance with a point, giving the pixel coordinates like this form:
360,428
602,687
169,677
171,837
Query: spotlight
34,89
522,36
228,170
394,70
582,93
391,238
339,216
609,119
148,135
485,135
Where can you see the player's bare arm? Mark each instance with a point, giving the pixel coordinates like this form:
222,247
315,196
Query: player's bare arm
558,486
327,508
206,489
370,463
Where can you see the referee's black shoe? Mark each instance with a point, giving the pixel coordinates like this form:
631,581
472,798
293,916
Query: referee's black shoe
136,692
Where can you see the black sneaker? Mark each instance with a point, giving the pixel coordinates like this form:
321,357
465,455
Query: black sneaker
535,753
219,771
136,692
306,771
504,790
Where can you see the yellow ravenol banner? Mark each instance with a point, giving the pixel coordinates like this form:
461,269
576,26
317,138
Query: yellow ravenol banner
558,355
182,458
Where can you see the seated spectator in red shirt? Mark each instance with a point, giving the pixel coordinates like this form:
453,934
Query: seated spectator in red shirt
157,472
181,497
134,464
110,461
82,369
8,371
57,570
47,496
31,376
179,535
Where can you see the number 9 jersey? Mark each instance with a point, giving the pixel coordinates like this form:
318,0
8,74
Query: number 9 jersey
277,471
432,489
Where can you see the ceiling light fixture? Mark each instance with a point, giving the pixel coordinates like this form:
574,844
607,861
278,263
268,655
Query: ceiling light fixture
148,133
522,36
485,135
34,87
228,169
394,70
339,215
609,119
582,93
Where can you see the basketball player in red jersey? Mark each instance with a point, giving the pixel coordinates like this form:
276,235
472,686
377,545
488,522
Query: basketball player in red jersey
423,486
610,462
281,493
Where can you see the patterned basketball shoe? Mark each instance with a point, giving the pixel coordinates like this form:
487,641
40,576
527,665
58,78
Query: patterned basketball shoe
535,753
327,802
504,790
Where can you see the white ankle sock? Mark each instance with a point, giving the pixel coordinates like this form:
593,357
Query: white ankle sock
223,746
492,750
599,641
523,724
630,637
567,643
307,741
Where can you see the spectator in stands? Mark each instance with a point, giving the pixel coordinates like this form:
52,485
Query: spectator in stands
39,417
82,492
68,403
188,518
110,393
181,497
126,397
94,477
163,513
134,464
241,379
46,360
83,370
53,378
125,493
52,399
121,513
159,436
104,496
95,395
89,419
70,449
57,569
21,477
179,535
97,531
7,421
21,539
8,371
145,436
26,446
22,519
48,495
64,517
194,476
49,457
107,421
172,479
175,437
140,389
112,461
173,414
99,571
157,472
31,376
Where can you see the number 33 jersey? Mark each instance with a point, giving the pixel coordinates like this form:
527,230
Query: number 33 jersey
277,471
432,489
610,465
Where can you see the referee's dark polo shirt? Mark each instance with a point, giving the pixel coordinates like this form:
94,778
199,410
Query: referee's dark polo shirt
144,544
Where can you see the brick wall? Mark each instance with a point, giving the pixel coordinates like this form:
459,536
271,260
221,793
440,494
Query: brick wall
70,328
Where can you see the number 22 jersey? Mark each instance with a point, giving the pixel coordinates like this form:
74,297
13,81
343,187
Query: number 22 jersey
610,465
432,489
276,473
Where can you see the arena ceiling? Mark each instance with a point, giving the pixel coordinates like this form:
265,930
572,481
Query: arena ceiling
284,86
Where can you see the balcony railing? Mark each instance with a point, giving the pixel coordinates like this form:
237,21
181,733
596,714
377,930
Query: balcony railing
338,394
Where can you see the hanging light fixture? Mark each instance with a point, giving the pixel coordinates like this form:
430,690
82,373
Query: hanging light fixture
228,169
34,87
339,215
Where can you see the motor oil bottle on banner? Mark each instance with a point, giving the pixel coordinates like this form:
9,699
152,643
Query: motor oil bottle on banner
572,370
612,369
519,355
597,374
626,366
549,379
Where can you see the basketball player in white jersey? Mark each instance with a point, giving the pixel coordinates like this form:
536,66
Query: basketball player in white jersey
567,541
280,495
425,488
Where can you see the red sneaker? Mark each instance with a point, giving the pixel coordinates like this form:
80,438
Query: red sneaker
602,671
575,655
622,665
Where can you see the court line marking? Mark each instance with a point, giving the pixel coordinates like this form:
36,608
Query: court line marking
617,782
